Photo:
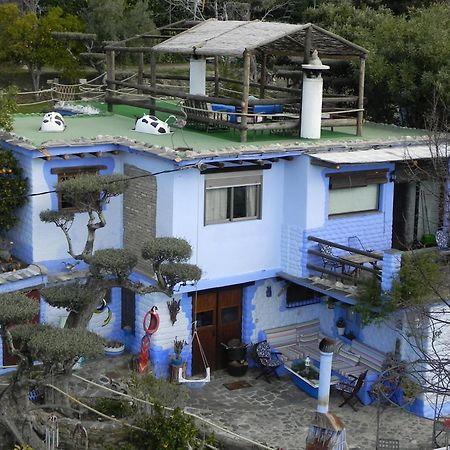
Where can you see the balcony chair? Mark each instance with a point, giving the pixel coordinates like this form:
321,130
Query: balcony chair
350,390
355,242
327,250
267,360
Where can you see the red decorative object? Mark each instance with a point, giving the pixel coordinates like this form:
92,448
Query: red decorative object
150,325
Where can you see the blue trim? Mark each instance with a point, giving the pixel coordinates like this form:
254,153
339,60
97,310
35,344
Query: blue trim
229,281
23,284
248,306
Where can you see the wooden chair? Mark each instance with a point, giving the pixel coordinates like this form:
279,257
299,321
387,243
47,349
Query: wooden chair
267,360
200,115
350,390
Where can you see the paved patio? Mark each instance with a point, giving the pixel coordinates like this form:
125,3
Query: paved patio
278,414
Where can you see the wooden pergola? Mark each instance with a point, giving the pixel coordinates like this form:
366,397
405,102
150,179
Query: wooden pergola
240,39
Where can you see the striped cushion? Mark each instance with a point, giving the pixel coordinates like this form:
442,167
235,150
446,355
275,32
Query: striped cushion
278,337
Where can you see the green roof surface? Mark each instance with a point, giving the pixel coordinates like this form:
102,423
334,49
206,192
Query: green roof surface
121,123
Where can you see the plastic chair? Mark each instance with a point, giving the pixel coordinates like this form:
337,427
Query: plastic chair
267,359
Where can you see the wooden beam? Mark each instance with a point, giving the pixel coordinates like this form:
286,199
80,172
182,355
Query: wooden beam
140,74
239,162
320,163
216,76
263,81
258,162
362,69
152,80
220,165
308,46
245,92
274,160
110,75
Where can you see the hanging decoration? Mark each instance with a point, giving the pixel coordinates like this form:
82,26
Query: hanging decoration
51,432
174,308
150,325
101,309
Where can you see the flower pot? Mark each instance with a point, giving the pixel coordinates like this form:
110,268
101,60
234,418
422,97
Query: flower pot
114,350
341,331
237,368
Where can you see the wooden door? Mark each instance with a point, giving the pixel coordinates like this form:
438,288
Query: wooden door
219,317
8,359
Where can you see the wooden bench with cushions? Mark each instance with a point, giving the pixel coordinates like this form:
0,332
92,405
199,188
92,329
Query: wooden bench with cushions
299,340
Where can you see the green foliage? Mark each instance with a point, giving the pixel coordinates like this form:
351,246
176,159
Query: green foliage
16,307
409,55
8,106
63,345
168,249
418,281
71,296
373,305
27,40
157,390
171,431
174,273
117,19
112,261
114,407
89,192
410,388
56,217
13,189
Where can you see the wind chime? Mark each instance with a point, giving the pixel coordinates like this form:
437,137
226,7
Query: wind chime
51,432
150,325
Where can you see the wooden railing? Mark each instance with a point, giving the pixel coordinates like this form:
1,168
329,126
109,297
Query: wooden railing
343,275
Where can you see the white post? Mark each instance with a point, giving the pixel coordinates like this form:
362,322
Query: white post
326,347
197,76
312,92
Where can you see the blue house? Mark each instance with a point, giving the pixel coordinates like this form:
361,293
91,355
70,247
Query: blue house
255,204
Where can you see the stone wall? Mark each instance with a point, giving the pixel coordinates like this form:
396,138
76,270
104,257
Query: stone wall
139,213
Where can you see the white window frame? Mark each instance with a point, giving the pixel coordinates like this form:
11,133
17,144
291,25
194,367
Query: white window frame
230,181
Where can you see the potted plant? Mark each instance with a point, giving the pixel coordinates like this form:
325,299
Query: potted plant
114,348
410,389
340,325
178,346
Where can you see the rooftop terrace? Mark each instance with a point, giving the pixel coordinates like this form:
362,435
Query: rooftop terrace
185,143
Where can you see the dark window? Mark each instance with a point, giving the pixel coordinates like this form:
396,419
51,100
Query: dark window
128,310
72,172
300,296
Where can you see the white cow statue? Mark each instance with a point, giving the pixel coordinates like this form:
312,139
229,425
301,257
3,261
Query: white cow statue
52,122
151,125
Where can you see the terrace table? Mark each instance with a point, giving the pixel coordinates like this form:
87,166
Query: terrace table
361,259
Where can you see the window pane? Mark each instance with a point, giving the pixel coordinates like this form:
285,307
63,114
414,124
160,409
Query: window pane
217,205
245,201
350,200
204,319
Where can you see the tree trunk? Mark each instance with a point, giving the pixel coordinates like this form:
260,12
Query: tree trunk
80,319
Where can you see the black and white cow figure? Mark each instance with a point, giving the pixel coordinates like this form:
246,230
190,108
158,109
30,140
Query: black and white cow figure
151,125
52,122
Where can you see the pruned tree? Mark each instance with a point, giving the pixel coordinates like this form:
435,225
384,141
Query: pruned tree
56,348
109,267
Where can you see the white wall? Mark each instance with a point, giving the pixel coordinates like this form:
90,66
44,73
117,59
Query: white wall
49,242
229,249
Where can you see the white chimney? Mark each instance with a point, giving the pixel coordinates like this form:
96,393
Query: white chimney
326,348
312,97
197,76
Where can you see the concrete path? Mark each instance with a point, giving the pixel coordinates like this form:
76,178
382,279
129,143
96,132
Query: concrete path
278,413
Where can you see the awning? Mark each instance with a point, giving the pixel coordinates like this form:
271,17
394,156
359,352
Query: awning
376,154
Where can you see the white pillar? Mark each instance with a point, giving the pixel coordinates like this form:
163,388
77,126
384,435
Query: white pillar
197,76
326,347
311,107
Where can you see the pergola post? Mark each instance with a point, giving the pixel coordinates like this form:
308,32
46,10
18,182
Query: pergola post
245,93
152,80
140,74
263,81
360,117
216,76
111,76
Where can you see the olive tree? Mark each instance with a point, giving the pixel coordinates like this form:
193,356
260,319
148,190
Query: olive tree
110,267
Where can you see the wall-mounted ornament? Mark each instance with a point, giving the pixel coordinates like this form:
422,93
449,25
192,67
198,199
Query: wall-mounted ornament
174,309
